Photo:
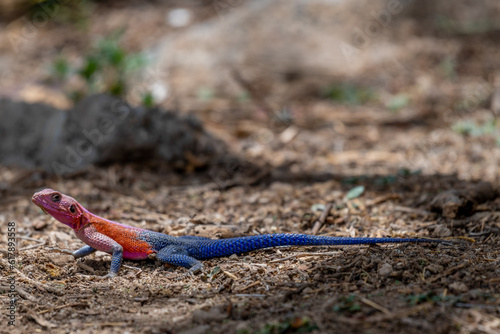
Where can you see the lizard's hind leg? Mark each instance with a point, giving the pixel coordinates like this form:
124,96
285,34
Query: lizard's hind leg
178,256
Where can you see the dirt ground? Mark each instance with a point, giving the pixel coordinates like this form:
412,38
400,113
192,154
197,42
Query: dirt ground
403,159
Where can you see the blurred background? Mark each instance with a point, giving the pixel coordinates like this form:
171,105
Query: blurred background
345,82
231,117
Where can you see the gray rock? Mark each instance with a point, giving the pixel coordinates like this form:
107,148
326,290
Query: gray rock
99,130
385,269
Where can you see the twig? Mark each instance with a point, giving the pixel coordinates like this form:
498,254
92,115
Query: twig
250,286
28,238
106,324
461,238
470,305
302,255
62,306
448,272
33,246
21,292
230,275
250,295
385,317
250,265
39,243
420,212
139,270
383,198
37,284
321,221
376,306
85,267
130,267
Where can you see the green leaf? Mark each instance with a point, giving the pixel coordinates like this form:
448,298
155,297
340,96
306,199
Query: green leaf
134,62
349,94
110,50
60,68
90,67
318,207
205,94
398,102
355,192
117,88
148,100
214,272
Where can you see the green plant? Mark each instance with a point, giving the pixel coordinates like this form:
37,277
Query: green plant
349,94
449,67
60,69
294,325
475,129
74,13
466,27
148,100
469,127
398,102
347,304
107,67
430,296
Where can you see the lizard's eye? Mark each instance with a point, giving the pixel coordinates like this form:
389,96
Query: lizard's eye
56,198
72,208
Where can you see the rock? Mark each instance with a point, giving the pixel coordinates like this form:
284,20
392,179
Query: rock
442,231
434,268
385,270
101,129
32,132
39,224
55,237
458,287
201,329
212,314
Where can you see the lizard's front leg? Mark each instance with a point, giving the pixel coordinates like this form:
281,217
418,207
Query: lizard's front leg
84,251
116,260
99,241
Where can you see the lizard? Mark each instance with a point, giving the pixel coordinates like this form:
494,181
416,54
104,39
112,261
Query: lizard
128,242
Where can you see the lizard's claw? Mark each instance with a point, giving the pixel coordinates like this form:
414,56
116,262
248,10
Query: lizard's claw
189,273
193,270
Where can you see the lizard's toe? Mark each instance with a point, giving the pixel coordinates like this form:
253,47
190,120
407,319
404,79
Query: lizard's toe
198,267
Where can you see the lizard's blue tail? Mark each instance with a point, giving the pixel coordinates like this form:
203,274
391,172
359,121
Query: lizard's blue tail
206,249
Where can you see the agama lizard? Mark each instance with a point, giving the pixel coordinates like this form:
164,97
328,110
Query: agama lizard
123,241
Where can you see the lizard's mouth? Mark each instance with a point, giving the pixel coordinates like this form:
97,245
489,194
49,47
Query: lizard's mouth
35,200
41,207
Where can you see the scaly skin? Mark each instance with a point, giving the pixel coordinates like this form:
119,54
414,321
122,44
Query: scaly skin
122,241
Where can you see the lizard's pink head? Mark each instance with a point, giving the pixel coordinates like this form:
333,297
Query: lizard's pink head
62,207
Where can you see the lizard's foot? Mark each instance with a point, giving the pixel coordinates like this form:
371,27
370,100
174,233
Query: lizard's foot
196,268
193,270
188,273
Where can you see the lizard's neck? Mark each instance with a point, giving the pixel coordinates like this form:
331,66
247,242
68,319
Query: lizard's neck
82,221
